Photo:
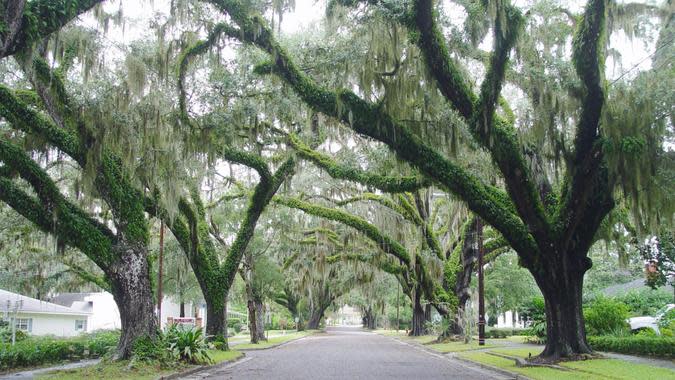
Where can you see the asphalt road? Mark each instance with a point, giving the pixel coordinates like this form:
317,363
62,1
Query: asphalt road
346,353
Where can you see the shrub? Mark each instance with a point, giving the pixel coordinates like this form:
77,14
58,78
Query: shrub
645,302
535,312
637,345
188,345
667,320
6,334
606,316
147,349
43,350
499,333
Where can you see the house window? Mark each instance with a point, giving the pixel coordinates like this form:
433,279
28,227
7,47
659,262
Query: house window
24,324
81,325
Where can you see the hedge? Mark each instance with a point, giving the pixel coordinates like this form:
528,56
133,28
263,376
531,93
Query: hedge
36,351
637,345
503,333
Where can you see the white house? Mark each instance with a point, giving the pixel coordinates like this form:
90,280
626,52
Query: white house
104,313
101,306
40,317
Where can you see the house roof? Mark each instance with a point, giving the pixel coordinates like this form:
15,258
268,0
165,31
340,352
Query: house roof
32,305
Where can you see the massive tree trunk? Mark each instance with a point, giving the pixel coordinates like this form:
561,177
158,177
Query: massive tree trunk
418,324
562,290
216,317
315,317
369,318
130,286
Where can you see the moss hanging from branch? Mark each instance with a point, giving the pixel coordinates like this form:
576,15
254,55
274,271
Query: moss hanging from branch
335,170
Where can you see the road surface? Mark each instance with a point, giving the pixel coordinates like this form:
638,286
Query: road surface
346,353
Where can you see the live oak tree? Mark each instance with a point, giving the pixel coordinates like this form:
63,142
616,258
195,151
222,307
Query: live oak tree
120,253
550,230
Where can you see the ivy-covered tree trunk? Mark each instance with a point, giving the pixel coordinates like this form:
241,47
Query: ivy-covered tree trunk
216,316
131,288
562,291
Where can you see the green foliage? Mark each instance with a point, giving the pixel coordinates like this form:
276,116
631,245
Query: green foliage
606,316
667,321
36,351
187,345
173,345
635,345
645,302
660,254
503,333
535,312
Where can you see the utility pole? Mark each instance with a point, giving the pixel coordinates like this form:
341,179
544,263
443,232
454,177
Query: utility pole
481,286
160,274
398,321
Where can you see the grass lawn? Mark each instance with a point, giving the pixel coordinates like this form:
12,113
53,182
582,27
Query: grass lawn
219,356
516,338
273,341
140,371
390,332
117,370
597,369
423,339
457,346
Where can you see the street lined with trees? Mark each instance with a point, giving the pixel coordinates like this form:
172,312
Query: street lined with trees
380,158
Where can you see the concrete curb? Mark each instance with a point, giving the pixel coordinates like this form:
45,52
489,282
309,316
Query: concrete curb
192,371
272,346
453,355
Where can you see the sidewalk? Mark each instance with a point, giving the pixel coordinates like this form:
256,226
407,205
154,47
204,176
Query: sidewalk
29,374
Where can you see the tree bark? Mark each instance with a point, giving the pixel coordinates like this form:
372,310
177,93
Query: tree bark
369,320
216,317
562,290
252,325
130,286
260,318
417,327
315,317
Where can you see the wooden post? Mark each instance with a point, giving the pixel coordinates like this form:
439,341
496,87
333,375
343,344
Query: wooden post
481,286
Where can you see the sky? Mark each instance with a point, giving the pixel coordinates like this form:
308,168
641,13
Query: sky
635,53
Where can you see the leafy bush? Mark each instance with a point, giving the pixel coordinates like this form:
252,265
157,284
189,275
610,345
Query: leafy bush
6,335
147,349
535,312
43,350
188,345
667,320
606,316
637,345
235,324
645,302
503,333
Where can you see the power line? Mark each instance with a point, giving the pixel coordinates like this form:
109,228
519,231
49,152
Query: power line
667,43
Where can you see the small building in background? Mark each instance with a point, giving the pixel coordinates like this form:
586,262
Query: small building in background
37,317
101,306
105,315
